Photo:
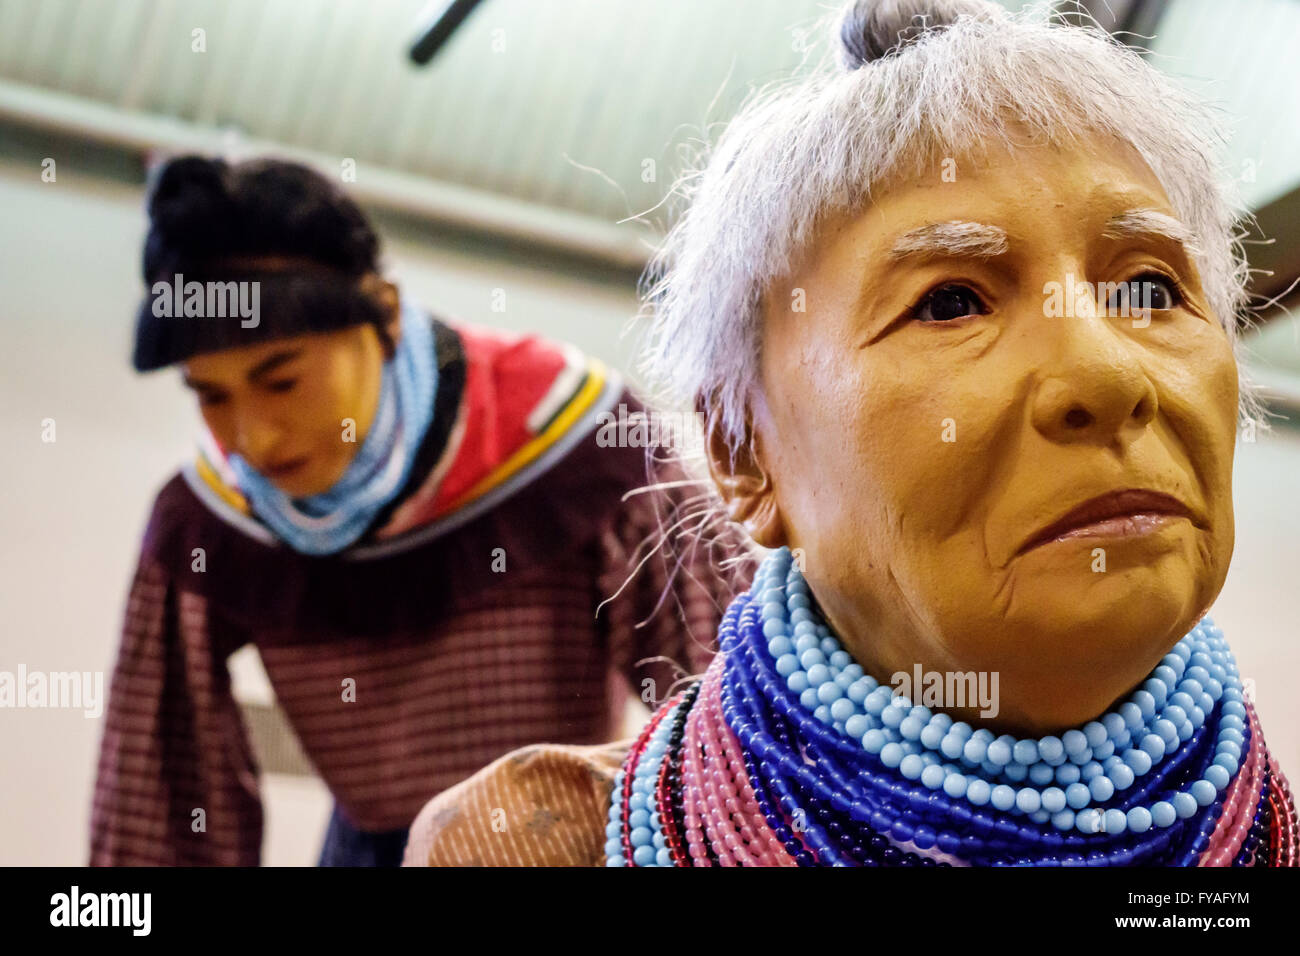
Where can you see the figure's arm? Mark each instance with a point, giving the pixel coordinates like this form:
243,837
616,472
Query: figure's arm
544,805
177,783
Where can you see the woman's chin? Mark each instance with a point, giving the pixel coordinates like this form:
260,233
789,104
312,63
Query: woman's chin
1123,609
304,486
1079,651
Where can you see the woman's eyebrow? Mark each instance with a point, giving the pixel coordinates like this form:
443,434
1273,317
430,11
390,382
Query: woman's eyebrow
268,365
953,238
1150,223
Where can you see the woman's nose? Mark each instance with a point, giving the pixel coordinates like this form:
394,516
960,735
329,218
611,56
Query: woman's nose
1092,389
255,439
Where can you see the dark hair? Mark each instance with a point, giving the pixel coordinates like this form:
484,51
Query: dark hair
209,219
875,29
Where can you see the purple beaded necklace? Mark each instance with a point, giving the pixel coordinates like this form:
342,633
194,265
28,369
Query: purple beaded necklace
824,768
834,803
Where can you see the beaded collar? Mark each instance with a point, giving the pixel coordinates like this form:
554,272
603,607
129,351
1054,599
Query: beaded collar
787,754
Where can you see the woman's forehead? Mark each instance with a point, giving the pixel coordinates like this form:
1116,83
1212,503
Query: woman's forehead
248,360
997,200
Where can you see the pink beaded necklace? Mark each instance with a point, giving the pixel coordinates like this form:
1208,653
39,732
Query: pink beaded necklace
717,796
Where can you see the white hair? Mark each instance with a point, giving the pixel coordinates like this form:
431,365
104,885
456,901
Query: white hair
907,92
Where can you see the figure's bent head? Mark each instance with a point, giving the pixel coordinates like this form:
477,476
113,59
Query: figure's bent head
264,286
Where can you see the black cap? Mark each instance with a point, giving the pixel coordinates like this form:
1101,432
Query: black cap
239,254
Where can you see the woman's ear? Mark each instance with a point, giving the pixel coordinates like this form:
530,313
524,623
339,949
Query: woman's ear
393,303
386,294
742,480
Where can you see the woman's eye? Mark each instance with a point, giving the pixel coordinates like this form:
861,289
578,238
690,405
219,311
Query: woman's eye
283,385
1150,290
947,303
207,399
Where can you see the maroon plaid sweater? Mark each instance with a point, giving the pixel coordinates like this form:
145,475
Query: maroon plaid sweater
453,663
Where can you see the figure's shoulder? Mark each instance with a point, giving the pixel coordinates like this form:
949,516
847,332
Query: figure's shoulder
173,500
542,805
175,508
515,361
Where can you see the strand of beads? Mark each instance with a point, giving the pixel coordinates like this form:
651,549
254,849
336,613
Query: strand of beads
888,806
759,845
633,834
1284,839
618,846
673,801
804,847
1162,716
885,807
754,751
1241,799
796,852
801,808
668,789
901,741
697,848
1265,850
1255,843
711,799
784,828
1197,762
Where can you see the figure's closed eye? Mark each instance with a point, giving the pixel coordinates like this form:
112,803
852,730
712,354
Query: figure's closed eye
949,302
209,398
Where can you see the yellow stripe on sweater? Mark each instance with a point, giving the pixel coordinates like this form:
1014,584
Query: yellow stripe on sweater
578,406
226,493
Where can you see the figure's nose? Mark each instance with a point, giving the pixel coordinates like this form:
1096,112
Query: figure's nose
1092,388
256,439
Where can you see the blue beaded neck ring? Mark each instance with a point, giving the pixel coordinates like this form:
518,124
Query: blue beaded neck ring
1143,784
849,773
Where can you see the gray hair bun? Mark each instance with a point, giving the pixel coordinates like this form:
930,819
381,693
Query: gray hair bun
874,29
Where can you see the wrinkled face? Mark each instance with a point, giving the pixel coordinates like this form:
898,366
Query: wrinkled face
282,405
948,428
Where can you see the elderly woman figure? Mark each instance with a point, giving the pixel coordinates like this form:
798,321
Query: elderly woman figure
962,315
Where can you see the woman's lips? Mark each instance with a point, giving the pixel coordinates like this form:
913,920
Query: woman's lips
285,469
1117,514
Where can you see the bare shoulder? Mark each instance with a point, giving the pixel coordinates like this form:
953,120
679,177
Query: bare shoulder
543,805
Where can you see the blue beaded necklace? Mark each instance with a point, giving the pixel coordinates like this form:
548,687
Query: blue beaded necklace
867,777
